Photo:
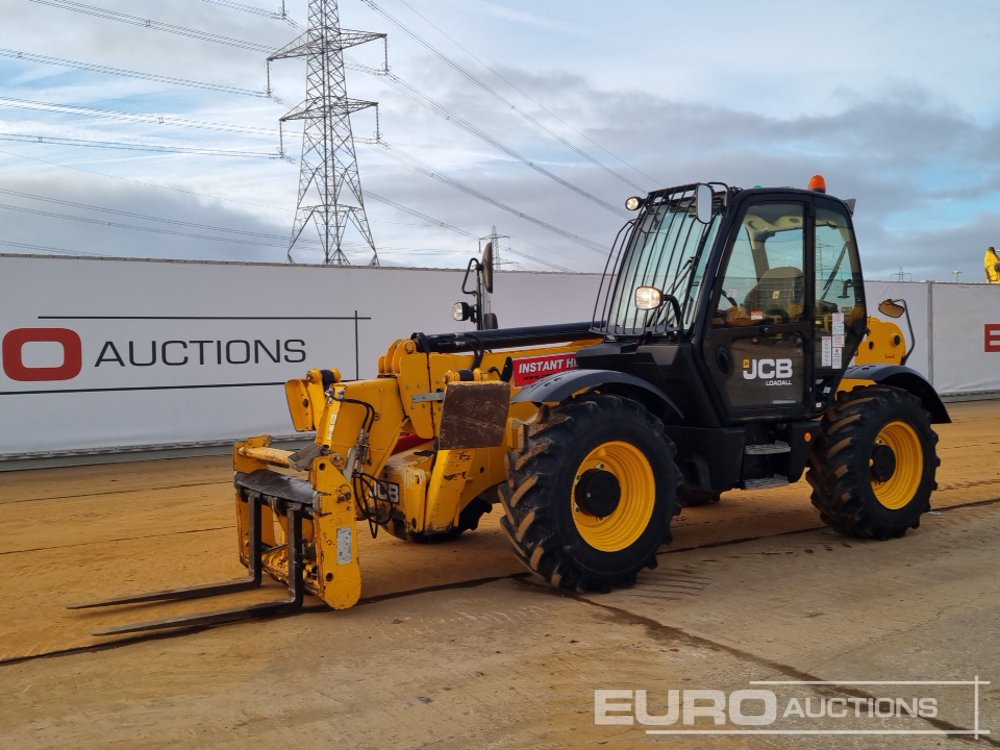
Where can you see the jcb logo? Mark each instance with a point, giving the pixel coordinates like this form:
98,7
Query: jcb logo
15,342
767,369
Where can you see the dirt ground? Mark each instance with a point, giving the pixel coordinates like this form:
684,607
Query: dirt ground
453,646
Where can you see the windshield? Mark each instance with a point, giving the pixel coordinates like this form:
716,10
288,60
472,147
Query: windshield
668,249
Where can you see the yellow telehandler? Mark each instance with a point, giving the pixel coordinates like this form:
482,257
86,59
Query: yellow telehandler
718,357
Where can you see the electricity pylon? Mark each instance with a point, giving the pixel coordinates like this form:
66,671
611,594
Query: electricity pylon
329,184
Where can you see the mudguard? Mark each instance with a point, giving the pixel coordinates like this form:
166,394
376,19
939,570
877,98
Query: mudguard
900,377
562,385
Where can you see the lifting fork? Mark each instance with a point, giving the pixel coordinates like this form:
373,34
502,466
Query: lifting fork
296,584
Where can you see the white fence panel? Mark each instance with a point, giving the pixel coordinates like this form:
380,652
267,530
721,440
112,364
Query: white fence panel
966,338
105,354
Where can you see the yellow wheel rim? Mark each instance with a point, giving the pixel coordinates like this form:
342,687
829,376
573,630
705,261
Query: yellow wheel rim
626,523
901,487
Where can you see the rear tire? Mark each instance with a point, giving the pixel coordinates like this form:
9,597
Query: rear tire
873,464
590,493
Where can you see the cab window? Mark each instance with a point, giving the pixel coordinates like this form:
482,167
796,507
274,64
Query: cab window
839,292
763,281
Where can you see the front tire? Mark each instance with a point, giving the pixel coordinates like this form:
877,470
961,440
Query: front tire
591,493
873,465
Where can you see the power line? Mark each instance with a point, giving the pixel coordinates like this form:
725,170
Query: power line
116,225
274,15
531,99
172,188
492,92
94,68
181,122
161,149
458,230
429,171
135,215
455,119
146,23
46,248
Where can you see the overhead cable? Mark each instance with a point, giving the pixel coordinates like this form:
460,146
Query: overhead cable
116,225
46,248
429,171
123,146
181,122
63,62
274,15
458,230
455,119
472,77
146,23
135,215
531,99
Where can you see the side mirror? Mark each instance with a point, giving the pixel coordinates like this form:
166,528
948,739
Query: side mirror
895,308
487,267
703,203
891,308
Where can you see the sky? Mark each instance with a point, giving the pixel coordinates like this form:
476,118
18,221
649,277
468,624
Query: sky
552,113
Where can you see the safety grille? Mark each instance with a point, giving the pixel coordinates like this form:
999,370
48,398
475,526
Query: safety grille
665,247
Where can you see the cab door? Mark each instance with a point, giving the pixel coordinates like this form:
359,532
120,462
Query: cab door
758,342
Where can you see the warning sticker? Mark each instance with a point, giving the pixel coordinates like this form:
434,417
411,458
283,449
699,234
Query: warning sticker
529,369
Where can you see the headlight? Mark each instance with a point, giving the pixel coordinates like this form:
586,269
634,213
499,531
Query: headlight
462,311
648,298
633,203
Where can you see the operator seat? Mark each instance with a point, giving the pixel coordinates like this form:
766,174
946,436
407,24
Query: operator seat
780,293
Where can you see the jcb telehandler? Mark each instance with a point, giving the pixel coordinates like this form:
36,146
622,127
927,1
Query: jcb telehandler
717,358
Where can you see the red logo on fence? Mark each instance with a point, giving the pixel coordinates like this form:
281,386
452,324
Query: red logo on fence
13,354
991,332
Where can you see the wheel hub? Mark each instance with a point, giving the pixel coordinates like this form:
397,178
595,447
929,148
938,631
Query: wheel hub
597,493
883,463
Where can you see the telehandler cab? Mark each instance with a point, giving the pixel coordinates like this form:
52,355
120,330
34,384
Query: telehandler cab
717,358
